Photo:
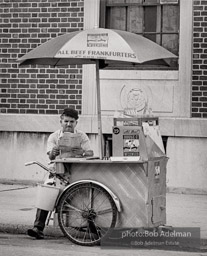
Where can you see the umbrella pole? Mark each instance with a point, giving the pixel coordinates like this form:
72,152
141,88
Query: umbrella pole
100,139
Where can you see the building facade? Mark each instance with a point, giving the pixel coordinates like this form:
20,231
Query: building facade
33,96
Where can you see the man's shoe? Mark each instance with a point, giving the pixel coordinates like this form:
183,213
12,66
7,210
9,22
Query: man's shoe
35,232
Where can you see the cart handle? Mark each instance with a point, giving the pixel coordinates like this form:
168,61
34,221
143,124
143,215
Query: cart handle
48,170
38,163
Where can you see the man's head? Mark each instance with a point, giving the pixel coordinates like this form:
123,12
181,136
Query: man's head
68,120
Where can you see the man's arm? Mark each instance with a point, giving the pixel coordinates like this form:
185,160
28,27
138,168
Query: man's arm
85,149
81,152
52,146
88,153
53,153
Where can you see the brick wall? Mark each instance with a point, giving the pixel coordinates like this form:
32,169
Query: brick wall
199,79
25,24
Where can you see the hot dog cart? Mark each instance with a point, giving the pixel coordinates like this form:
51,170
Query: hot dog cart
131,184
134,177
128,190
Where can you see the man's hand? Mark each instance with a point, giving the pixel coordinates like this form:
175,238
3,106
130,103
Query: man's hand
54,152
78,151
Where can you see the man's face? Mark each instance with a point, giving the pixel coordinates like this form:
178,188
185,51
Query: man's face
68,124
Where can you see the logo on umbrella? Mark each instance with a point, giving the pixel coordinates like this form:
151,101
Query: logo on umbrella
97,40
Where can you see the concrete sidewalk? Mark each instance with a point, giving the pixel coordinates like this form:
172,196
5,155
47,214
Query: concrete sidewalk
18,211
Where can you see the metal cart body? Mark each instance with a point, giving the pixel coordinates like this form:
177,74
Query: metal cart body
137,188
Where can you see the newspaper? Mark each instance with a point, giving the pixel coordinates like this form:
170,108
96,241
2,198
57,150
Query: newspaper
69,141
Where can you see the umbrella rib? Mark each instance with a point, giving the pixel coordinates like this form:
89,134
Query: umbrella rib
56,62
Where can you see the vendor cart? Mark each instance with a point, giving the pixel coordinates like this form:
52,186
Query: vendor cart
123,191
128,189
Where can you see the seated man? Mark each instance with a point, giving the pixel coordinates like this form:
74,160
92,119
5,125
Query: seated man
68,121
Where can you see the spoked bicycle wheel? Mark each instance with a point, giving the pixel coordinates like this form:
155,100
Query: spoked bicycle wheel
85,213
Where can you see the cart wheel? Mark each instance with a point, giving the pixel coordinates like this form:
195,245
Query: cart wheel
85,213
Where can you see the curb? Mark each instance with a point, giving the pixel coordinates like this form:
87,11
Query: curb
22,229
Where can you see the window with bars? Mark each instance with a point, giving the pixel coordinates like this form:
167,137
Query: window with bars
158,20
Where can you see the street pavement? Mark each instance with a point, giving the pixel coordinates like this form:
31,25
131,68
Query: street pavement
18,211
